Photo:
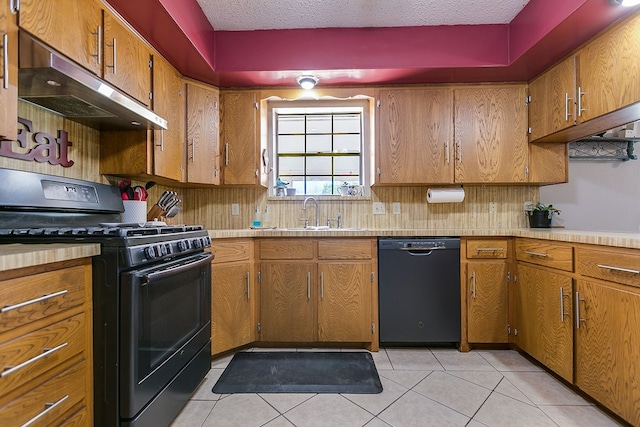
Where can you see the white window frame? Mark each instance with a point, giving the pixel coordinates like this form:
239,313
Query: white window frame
309,106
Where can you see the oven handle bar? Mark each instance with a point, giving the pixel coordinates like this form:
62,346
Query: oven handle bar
201,260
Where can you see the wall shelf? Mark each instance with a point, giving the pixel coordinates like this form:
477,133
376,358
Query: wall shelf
601,148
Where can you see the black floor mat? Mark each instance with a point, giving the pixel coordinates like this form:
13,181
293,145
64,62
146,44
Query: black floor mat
300,372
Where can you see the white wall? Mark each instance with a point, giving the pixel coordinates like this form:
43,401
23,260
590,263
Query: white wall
601,195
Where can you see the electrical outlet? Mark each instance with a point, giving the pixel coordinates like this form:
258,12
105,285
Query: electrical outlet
378,208
235,209
395,207
528,206
493,208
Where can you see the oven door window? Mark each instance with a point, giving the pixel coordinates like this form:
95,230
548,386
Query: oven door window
166,320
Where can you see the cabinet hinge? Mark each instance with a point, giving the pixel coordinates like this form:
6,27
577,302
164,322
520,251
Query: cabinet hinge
373,276
529,130
215,172
515,278
257,173
14,5
151,63
526,170
508,329
527,100
373,328
215,104
515,331
255,105
259,327
150,95
259,276
378,103
378,172
508,276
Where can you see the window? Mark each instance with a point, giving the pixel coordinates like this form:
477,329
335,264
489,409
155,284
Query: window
318,149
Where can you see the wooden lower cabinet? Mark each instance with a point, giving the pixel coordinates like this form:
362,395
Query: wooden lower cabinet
487,296
608,346
326,291
45,345
233,295
543,317
287,302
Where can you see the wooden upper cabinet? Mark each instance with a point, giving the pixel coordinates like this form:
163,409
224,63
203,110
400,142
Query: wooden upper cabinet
72,27
490,127
415,136
127,60
9,80
238,122
553,100
169,102
609,71
203,145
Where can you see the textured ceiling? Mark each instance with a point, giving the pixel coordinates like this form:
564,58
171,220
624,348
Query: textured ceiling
225,15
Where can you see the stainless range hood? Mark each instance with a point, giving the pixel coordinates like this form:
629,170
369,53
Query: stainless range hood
51,81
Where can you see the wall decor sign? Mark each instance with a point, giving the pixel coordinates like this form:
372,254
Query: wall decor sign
43,147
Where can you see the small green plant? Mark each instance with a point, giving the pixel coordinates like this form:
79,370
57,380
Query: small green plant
544,208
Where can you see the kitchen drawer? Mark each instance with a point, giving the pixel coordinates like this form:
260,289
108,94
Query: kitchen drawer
344,249
495,249
287,248
56,396
31,298
237,250
35,353
615,265
541,252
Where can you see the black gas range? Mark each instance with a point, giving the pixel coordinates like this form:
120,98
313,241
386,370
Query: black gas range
151,292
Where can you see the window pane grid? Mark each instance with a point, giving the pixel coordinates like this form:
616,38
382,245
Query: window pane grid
330,152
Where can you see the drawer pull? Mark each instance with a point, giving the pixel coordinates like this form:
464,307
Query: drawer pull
321,286
489,249
33,301
536,254
309,285
49,407
578,319
626,270
8,370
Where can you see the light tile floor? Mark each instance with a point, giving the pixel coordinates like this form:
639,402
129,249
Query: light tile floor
422,387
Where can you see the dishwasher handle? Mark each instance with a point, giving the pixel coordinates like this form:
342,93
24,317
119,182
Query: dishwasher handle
422,251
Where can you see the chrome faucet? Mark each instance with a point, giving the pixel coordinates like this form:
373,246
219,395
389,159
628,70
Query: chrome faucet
304,208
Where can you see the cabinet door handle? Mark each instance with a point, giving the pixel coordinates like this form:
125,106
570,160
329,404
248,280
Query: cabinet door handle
321,286
566,107
5,61
226,154
98,34
161,145
473,284
114,47
626,270
8,370
562,313
48,407
248,285
309,285
578,319
446,151
580,109
536,254
32,301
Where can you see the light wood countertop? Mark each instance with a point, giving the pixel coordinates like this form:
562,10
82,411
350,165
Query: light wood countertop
19,255
604,238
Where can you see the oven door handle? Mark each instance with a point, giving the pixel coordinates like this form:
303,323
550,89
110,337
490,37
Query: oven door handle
201,259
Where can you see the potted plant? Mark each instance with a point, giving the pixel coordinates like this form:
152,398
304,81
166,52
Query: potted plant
541,215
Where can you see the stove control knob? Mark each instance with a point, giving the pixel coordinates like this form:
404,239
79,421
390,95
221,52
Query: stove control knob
162,250
183,245
150,252
197,243
207,241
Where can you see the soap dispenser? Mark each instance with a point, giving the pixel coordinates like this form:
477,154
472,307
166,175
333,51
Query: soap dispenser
257,221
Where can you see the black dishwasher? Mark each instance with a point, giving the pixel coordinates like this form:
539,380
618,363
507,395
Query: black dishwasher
419,290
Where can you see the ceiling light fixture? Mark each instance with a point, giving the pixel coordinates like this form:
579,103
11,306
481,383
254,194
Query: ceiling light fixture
627,3
307,82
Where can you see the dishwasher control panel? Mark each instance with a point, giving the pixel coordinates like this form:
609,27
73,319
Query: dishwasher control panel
421,243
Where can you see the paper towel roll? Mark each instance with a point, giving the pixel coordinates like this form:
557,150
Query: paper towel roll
445,195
